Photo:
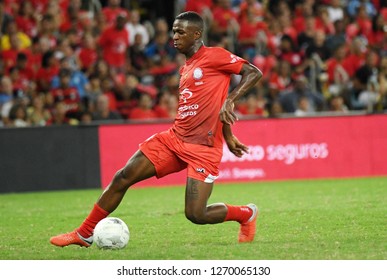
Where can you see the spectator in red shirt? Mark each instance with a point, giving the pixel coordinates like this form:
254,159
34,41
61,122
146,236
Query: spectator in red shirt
286,26
112,11
47,30
378,33
67,94
323,21
26,71
280,80
250,26
337,74
198,6
9,56
128,96
48,70
363,21
11,6
251,6
87,53
254,105
114,43
224,19
107,87
356,58
72,21
162,104
305,11
27,19
288,51
36,54
40,6
202,7
273,35
20,84
144,110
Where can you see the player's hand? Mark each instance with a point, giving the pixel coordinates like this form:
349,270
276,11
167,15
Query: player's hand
226,113
236,147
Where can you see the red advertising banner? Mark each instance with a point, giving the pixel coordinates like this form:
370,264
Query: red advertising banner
299,148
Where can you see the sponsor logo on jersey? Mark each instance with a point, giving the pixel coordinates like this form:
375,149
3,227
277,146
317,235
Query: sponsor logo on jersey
185,94
234,58
200,170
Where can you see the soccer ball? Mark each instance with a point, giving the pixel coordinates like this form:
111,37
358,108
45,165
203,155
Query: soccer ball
111,233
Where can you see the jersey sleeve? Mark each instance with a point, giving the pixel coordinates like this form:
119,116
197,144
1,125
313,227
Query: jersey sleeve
227,62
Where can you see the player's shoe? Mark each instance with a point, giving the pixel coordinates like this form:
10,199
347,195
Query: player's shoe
247,229
71,238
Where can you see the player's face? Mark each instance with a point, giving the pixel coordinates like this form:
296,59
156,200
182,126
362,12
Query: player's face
184,35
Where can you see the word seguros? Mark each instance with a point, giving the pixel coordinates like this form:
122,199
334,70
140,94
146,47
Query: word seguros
288,153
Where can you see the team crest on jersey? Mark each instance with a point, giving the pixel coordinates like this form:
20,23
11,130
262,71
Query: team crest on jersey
198,73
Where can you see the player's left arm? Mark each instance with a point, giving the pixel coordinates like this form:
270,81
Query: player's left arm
250,76
233,144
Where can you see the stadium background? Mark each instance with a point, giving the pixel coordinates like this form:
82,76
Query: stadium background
51,140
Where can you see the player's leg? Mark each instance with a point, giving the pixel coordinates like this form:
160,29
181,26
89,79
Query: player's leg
198,212
197,194
138,168
203,168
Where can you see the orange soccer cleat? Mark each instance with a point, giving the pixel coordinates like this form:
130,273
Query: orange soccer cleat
71,238
247,229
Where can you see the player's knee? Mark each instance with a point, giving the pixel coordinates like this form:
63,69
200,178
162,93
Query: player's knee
196,217
120,179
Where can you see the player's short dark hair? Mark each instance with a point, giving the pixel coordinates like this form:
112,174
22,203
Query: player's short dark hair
192,17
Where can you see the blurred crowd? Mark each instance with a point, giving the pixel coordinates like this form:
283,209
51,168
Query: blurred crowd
64,63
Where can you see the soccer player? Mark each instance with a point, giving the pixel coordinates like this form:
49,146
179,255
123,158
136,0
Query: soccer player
194,142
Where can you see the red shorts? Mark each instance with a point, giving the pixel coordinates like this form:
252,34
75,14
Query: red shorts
169,154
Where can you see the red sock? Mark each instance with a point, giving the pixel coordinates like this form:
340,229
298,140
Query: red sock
240,214
87,227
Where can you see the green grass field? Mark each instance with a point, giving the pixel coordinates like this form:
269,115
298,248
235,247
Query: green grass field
316,219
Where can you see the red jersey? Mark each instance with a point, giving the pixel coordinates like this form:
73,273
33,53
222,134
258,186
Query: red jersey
353,62
87,57
9,57
69,96
44,76
332,65
111,14
197,5
114,43
223,16
141,114
203,88
27,25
